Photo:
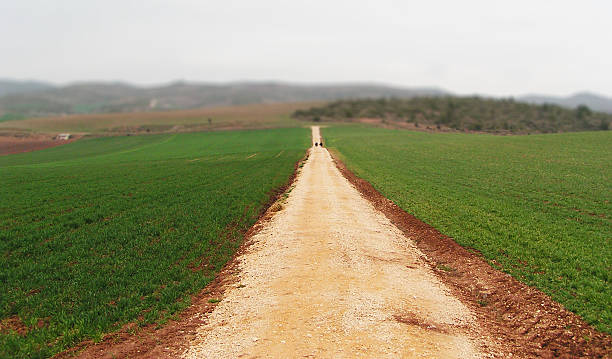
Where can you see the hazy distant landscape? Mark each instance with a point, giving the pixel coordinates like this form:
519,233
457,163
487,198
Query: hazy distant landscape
33,99
121,97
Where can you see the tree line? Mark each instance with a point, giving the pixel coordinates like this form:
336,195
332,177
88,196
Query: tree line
463,113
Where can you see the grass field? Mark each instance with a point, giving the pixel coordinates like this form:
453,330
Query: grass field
105,231
537,207
234,117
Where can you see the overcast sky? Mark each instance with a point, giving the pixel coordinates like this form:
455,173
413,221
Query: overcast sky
469,46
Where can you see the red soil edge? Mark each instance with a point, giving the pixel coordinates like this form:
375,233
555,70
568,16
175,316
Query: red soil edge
526,322
17,144
170,341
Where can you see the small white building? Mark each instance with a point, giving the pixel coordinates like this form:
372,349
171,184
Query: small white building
63,136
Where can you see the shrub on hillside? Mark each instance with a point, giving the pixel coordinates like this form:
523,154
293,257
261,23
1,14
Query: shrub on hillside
464,113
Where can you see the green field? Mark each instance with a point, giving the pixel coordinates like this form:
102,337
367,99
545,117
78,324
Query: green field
105,231
537,205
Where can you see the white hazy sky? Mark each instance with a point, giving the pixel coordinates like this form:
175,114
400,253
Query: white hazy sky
469,46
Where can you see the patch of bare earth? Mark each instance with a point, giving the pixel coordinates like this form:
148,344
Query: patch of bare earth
13,324
11,143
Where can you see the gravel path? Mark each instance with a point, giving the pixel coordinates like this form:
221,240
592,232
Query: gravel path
330,276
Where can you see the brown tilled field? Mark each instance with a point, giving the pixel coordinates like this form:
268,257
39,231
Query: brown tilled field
204,119
11,143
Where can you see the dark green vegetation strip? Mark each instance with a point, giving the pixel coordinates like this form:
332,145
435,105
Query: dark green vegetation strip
101,232
538,207
11,117
463,113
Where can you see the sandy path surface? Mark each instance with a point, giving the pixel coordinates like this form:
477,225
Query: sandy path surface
329,276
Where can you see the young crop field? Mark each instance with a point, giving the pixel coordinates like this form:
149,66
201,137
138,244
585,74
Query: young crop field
537,207
101,232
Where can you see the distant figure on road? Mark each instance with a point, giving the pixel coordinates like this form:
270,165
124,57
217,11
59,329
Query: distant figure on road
321,143
316,144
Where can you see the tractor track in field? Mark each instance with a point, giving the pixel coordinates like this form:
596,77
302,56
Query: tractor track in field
337,270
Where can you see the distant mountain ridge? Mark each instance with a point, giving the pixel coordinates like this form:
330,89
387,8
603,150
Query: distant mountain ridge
12,86
121,97
33,98
593,101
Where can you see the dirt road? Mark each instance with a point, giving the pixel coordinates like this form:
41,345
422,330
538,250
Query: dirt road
329,276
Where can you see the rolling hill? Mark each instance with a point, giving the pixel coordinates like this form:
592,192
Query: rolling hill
121,97
593,101
13,87
461,114
19,99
